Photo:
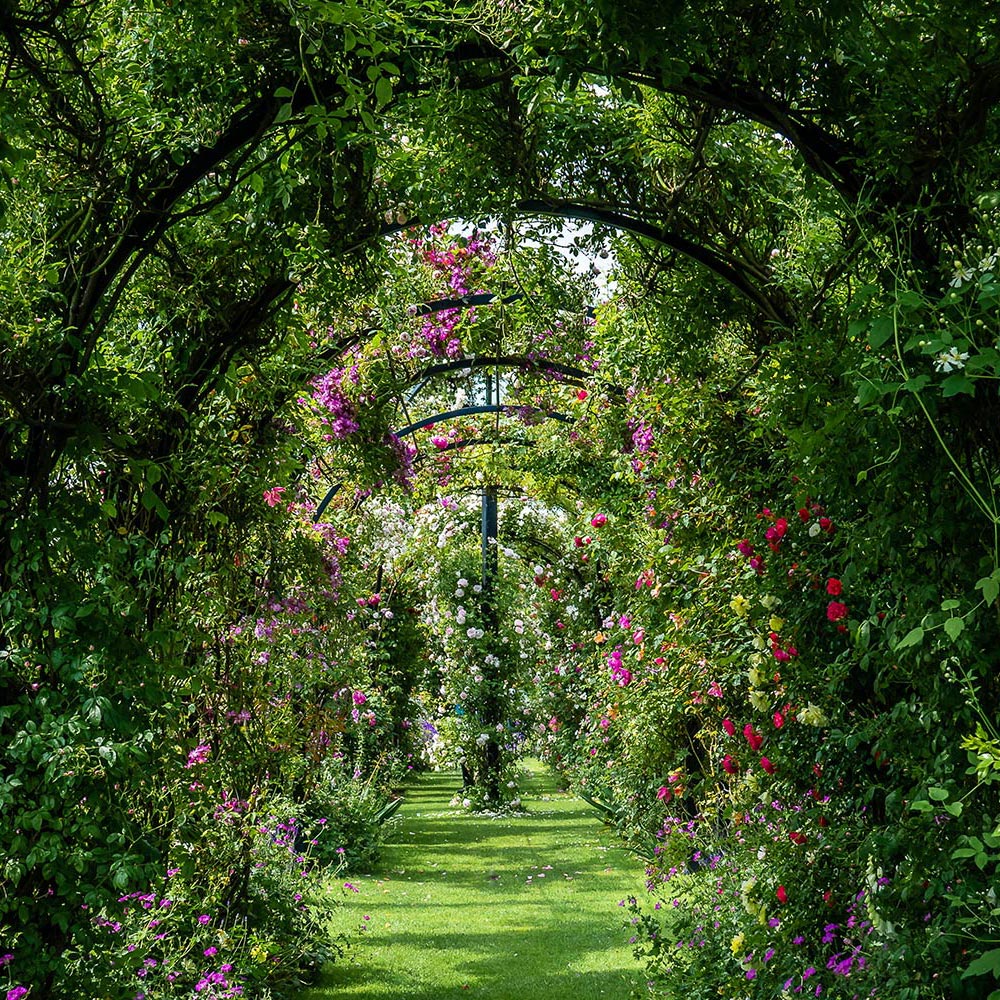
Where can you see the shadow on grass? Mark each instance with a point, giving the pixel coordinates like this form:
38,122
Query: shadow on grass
507,908
498,965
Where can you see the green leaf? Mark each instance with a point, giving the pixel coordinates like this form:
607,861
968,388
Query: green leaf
881,331
988,962
910,300
912,638
950,605
953,809
957,384
916,383
937,793
990,586
954,627
383,91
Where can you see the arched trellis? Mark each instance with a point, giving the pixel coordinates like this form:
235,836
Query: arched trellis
750,282
455,445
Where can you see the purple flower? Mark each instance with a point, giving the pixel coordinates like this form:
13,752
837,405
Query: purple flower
17,992
198,755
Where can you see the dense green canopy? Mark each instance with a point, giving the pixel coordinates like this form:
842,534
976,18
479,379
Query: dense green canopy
199,216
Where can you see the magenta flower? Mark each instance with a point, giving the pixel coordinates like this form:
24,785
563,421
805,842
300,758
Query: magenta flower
198,755
272,497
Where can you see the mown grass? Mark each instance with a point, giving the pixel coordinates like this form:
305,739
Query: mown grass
521,908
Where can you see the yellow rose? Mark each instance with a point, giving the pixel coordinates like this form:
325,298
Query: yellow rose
812,715
740,605
776,624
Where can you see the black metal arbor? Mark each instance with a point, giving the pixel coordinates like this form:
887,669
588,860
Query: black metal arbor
490,386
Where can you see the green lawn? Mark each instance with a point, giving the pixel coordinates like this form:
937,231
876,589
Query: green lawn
509,909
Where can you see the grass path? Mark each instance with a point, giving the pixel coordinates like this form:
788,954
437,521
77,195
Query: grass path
463,906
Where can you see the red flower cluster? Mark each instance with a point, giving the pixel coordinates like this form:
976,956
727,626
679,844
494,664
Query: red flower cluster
776,533
835,611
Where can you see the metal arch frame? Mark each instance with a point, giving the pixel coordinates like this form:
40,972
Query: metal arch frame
752,286
442,418
479,299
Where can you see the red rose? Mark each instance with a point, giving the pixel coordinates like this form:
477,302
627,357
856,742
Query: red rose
727,724
797,838
782,894
730,764
779,720
835,611
834,587
767,765
753,738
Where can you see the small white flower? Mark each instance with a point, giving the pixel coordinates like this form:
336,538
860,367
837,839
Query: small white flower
952,358
814,529
962,275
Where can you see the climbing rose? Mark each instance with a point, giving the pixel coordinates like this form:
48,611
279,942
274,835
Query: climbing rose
782,894
753,738
835,611
730,764
598,519
834,587
767,765
797,838
745,548
779,720
727,724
